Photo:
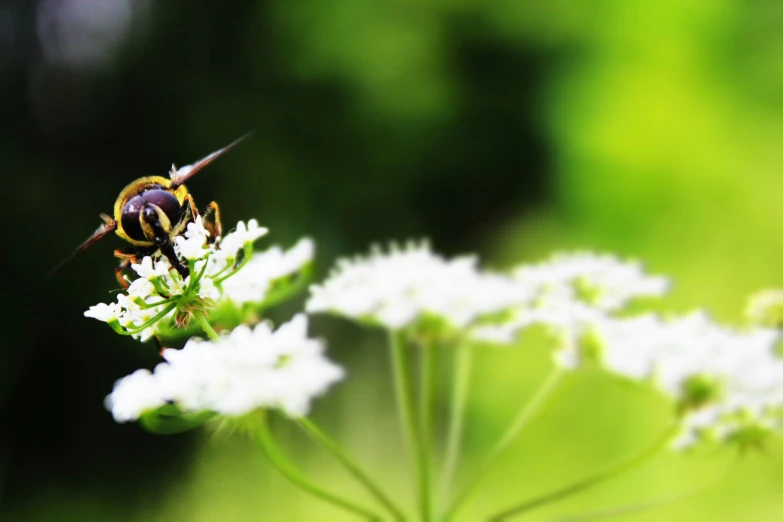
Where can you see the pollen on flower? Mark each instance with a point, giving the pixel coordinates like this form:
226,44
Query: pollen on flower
248,369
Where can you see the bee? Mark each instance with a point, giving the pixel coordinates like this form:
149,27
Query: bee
150,212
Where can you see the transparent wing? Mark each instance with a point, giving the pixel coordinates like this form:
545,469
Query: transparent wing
109,226
181,175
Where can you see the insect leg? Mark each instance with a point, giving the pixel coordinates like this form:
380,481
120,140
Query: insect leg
195,213
127,259
167,249
213,207
192,205
215,229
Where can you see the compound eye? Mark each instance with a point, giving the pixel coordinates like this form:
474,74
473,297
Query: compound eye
166,201
130,218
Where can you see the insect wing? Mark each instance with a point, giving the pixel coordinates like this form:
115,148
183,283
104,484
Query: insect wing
108,226
181,175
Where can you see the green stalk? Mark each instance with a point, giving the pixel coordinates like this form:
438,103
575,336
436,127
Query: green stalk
518,424
426,414
216,277
650,504
350,465
296,477
191,269
458,402
587,483
157,317
278,295
202,320
159,285
407,415
194,281
248,253
146,306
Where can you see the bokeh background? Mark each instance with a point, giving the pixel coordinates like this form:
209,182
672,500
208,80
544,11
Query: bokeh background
511,129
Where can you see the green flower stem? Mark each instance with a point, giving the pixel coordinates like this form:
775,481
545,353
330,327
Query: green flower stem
219,280
316,433
581,485
156,318
194,282
146,306
283,292
426,414
520,422
458,402
650,504
296,477
202,320
247,251
160,286
167,290
406,410
216,278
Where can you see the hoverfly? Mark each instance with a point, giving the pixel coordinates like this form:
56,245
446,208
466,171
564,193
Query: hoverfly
150,212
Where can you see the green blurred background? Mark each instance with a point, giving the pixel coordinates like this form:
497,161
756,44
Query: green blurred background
506,128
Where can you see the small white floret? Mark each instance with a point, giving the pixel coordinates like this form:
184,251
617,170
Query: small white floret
241,236
254,280
134,395
397,288
246,370
104,312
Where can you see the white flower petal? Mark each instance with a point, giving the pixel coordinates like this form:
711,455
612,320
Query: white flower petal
240,236
398,287
104,312
264,268
244,371
134,395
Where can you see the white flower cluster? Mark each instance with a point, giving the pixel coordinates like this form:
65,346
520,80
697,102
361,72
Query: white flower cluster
398,288
246,370
601,281
160,297
264,268
727,381
571,292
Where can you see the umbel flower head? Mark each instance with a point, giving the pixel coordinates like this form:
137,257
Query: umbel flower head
727,383
570,292
225,275
246,370
399,288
